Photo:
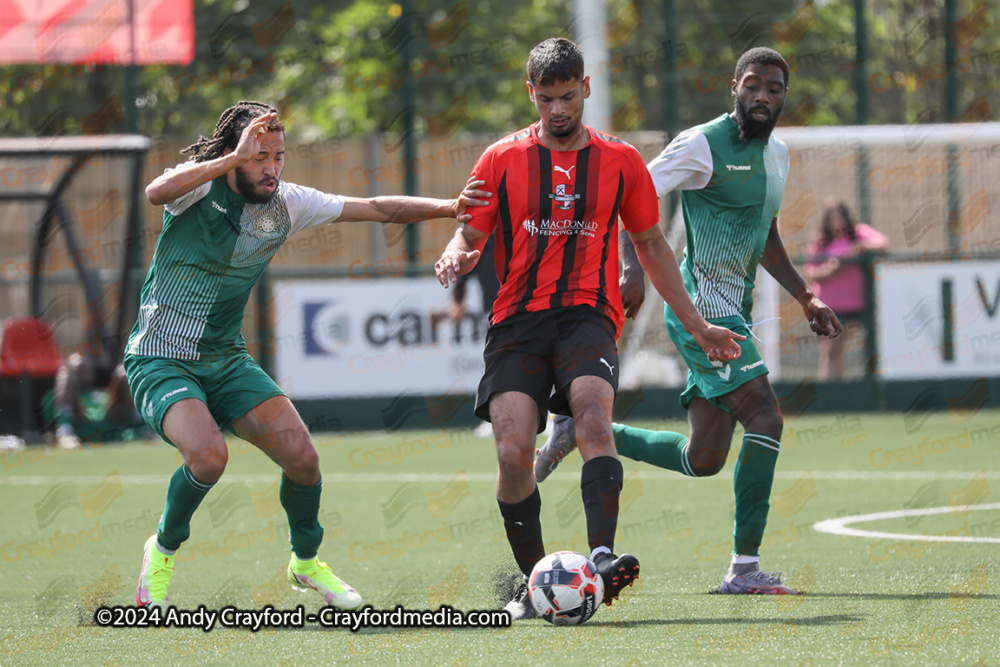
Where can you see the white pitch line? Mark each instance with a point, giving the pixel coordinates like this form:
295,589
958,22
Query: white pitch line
571,474
839,526
887,475
328,479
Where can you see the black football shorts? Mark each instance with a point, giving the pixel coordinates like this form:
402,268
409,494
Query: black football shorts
533,353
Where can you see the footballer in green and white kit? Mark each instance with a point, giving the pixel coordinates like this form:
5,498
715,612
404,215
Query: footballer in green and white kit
731,190
226,213
214,246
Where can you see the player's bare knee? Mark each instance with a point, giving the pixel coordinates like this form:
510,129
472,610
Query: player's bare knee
513,455
208,464
759,412
296,438
306,465
706,462
298,455
593,433
767,421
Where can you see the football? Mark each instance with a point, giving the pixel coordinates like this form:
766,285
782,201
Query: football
565,588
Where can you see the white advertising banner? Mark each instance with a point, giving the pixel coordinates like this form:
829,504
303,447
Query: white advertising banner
938,320
338,338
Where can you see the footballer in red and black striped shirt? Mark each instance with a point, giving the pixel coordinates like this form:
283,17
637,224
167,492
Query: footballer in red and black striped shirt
559,188
556,218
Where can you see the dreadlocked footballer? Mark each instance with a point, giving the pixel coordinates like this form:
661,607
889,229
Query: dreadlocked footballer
226,213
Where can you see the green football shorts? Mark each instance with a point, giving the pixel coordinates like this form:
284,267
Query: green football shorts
711,380
229,385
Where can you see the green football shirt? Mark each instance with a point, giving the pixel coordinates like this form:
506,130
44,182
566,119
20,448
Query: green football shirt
730,192
214,246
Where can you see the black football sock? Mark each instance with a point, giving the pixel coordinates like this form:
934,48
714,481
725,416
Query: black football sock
600,485
524,530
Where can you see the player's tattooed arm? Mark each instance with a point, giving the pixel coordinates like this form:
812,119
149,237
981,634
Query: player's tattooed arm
822,320
176,183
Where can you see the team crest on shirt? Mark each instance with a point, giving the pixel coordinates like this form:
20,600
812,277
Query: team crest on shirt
267,224
564,197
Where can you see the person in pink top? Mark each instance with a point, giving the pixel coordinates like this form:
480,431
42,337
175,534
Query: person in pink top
840,284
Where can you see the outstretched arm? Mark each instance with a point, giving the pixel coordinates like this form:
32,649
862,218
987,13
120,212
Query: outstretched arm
397,209
658,259
406,210
176,183
460,255
822,319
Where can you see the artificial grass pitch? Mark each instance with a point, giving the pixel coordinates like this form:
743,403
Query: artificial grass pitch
411,520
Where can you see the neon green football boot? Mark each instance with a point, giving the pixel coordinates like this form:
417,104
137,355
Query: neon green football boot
314,575
154,578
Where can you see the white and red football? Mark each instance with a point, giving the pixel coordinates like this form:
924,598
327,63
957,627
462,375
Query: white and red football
565,588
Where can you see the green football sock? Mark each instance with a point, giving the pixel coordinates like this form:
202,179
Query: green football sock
752,484
301,505
184,494
664,449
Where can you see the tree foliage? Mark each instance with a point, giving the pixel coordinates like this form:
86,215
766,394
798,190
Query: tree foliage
337,68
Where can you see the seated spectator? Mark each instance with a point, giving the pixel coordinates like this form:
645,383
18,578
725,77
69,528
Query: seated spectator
841,284
91,395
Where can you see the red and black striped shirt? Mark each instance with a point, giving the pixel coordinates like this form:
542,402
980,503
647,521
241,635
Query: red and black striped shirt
556,214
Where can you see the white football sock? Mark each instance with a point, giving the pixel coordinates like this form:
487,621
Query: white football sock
743,560
598,551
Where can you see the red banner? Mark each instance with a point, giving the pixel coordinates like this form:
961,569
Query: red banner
110,32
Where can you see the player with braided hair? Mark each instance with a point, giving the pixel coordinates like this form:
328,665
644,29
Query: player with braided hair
226,213
227,131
